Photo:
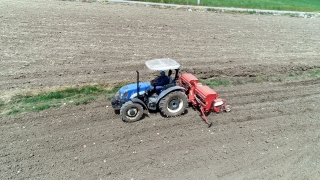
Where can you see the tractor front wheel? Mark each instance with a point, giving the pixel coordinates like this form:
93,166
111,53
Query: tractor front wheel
173,104
131,112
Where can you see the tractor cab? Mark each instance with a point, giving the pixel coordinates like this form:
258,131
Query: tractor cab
163,65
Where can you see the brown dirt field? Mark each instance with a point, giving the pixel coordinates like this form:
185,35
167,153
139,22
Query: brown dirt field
272,133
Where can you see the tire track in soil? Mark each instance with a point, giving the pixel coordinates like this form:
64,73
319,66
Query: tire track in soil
274,99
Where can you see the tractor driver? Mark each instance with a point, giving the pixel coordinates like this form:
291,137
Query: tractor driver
160,81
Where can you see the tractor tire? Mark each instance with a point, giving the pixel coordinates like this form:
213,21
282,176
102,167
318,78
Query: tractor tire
173,104
131,112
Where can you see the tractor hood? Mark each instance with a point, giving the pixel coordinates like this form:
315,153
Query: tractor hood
129,91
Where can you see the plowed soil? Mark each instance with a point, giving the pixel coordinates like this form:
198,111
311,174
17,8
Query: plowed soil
271,133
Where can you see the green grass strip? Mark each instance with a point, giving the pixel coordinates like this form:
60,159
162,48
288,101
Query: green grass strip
290,5
70,92
40,102
215,82
315,73
1,103
13,111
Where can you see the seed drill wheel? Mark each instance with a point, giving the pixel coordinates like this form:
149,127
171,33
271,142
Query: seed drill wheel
131,112
173,104
227,108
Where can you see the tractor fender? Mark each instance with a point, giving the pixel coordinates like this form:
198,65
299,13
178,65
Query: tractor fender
136,100
167,91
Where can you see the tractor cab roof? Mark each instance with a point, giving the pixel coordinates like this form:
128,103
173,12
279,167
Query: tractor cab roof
162,64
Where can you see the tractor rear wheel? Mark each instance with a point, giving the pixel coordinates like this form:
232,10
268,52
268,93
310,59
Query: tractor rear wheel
173,104
131,112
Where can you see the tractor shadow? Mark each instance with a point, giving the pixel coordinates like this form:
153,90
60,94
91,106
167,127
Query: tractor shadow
144,115
165,116
152,113
117,111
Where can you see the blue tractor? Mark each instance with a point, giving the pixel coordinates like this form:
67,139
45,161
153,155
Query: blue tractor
170,99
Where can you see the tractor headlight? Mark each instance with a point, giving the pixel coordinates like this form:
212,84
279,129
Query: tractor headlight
124,95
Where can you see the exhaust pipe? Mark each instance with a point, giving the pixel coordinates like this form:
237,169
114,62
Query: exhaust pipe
138,87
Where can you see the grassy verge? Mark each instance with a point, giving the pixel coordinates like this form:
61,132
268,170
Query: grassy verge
315,73
68,96
214,82
291,5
